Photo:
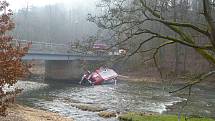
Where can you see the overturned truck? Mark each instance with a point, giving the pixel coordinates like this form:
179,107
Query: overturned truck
102,75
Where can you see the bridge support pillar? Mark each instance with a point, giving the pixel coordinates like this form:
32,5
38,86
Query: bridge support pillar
69,70
63,70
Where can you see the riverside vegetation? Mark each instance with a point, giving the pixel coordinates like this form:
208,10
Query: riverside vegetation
143,117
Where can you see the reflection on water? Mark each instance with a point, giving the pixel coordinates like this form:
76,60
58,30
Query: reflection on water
123,97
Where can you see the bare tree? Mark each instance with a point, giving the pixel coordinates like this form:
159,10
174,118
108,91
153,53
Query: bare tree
133,20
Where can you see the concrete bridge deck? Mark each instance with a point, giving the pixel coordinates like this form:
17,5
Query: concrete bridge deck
53,51
63,56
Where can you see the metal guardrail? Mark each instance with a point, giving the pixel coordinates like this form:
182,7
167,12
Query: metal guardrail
54,48
44,47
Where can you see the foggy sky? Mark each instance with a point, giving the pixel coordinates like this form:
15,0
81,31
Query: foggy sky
18,4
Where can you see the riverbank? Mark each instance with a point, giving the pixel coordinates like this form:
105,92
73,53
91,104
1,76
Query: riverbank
139,79
146,117
208,82
22,113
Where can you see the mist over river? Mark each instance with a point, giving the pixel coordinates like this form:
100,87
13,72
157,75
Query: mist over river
126,96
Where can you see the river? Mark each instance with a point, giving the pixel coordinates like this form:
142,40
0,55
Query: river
124,97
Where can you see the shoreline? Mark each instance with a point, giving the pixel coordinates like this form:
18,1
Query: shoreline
17,112
175,81
139,79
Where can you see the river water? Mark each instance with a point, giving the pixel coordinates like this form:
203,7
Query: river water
123,97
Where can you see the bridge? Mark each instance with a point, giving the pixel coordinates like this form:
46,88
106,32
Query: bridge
61,56
63,61
52,51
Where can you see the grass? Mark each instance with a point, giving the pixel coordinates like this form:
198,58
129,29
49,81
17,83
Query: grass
140,117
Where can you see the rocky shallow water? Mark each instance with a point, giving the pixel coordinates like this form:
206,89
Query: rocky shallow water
68,99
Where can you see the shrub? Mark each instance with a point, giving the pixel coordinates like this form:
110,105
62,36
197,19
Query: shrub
11,66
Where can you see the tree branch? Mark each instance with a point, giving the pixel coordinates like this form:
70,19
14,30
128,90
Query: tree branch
197,79
141,44
178,41
155,53
188,25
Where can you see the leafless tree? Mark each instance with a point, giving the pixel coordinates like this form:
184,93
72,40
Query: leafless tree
139,20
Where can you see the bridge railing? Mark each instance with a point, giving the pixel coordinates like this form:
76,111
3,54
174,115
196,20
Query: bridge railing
54,48
44,47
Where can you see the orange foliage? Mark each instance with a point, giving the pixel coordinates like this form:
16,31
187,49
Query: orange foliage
11,65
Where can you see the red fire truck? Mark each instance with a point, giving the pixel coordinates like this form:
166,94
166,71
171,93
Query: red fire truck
99,76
